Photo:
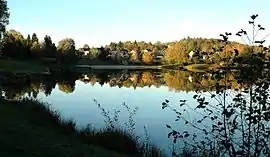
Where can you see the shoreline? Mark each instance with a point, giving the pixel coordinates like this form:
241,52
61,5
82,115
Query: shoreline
120,66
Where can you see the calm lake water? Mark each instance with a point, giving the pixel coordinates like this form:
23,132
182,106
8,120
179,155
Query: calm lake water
80,103
81,107
82,97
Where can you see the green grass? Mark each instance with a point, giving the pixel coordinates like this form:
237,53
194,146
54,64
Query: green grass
27,130
31,128
17,66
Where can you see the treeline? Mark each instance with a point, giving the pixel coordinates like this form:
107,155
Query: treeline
18,47
186,51
15,45
200,50
129,52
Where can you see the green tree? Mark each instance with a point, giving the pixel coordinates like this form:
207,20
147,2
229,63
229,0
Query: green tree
94,52
14,44
48,47
35,49
86,47
104,52
66,50
66,46
34,37
4,17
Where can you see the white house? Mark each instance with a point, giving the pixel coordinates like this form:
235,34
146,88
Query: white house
86,52
191,53
86,77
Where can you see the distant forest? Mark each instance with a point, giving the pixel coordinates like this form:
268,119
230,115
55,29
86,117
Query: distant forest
185,51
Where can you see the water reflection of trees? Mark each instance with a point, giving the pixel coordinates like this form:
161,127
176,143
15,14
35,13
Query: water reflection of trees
225,122
175,80
15,86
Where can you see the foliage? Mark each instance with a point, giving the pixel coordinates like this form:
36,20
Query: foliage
66,46
4,16
124,134
148,57
231,123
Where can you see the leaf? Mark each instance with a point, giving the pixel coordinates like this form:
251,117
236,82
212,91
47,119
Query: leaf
168,126
186,135
169,134
167,101
178,113
195,96
182,104
213,95
164,103
186,122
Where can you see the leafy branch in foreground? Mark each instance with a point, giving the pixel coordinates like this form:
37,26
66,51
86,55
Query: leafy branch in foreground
232,123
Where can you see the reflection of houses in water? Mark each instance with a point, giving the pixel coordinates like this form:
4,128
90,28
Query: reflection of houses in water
3,94
190,78
86,77
132,79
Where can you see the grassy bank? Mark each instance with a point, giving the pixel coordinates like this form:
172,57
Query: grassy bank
29,128
16,66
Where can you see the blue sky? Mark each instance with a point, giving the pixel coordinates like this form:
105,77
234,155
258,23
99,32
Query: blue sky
98,22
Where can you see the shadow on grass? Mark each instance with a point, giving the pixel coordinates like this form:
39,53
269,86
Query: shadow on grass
115,139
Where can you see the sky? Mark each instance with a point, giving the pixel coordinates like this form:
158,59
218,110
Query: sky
99,22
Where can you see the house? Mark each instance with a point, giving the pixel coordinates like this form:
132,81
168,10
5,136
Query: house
86,49
191,53
159,55
86,52
86,77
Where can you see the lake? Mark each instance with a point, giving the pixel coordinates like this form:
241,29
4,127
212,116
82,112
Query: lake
83,96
